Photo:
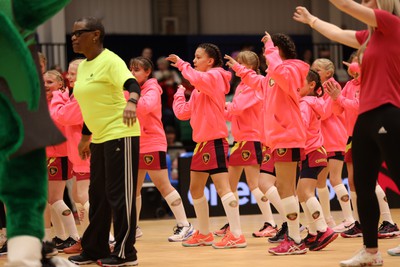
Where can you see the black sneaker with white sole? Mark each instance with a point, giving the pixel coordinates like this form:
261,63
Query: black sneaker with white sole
114,261
81,259
280,235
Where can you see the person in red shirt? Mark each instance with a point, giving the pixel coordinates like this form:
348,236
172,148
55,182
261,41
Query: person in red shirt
377,129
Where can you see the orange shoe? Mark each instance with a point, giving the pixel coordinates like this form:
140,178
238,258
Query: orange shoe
74,249
198,239
230,241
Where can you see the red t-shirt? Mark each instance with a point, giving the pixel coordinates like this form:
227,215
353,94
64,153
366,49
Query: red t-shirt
380,79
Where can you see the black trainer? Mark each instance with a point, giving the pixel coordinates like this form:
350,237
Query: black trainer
65,244
280,235
354,231
81,259
116,261
49,249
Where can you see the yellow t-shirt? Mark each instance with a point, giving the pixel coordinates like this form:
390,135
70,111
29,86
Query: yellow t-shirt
99,92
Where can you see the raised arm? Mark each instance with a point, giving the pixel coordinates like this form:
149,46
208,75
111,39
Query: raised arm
329,30
363,13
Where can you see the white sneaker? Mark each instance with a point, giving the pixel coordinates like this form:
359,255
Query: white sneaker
343,226
363,258
394,251
139,232
181,233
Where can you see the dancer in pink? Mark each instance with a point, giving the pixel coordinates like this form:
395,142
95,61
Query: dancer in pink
284,132
205,109
153,147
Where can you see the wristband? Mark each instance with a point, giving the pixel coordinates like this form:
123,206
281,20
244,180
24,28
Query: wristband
132,100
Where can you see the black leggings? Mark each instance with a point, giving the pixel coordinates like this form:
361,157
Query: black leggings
376,139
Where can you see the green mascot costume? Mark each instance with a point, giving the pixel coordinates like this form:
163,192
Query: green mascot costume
26,129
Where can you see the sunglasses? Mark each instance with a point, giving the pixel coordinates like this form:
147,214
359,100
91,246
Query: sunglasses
78,33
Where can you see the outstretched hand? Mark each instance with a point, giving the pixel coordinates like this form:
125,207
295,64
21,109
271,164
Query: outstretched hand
303,15
173,58
266,37
231,61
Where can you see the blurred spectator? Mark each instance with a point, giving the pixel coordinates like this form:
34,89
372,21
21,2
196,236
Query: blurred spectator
147,52
175,148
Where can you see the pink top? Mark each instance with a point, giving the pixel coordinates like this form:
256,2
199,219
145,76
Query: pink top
380,81
60,150
333,126
64,109
244,112
312,110
148,111
283,124
206,105
348,102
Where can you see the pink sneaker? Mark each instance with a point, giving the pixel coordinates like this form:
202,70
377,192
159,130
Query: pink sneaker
343,226
266,231
323,239
222,232
198,239
289,247
230,241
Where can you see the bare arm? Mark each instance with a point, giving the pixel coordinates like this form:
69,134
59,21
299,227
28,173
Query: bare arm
329,30
358,11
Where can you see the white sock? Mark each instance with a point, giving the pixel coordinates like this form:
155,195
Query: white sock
263,204
231,207
67,218
174,201
24,251
310,221
201,209
292,212
84,222
48,236
273,197
324,200
138,208
344,201
58,225
383,204
236,193
353,197
315,210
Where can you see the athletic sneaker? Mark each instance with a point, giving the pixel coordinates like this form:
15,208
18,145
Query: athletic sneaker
309,240
323,239
81,259
394,251
181,233
280,235
3,249
48,249
74,249
198,239
354,231
65,244
230,241
266,231
388,230
289,247
117,261
363,258
222,231
139,232
343,226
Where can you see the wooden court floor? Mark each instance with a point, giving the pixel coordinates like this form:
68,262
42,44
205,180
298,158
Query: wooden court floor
154,249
